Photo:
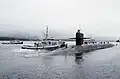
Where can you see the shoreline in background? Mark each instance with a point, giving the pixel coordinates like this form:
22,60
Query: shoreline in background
35,39
27,39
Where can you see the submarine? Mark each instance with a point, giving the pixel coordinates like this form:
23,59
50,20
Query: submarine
81,46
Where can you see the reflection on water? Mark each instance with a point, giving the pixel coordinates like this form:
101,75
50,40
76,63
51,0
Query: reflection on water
78,60
16,63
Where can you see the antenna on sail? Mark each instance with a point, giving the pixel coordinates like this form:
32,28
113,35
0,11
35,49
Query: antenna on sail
46,35
80,25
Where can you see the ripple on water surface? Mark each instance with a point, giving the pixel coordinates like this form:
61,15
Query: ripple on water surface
100,64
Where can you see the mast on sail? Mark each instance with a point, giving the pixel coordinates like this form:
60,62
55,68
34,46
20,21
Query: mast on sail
80,27
46,35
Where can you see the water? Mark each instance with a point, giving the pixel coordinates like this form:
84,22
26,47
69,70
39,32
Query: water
16,63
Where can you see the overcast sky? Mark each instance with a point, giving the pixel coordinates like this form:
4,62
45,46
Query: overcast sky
29,17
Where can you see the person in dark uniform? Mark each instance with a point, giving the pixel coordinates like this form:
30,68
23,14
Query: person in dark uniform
66,45
35,44
63,45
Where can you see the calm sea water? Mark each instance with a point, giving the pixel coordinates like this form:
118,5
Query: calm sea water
16,63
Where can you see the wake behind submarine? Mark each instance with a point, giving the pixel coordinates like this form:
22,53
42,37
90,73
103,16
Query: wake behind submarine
81,46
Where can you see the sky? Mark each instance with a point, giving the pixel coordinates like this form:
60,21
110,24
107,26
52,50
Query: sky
63,17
